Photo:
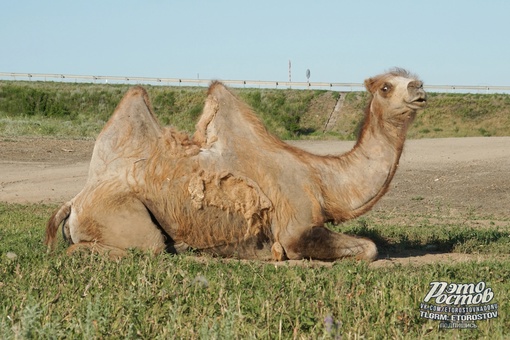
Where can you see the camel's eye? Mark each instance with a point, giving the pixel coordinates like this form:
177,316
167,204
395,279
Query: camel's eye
386,88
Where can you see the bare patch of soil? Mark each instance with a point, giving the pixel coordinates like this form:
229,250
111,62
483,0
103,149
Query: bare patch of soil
42,170
447,177
457,179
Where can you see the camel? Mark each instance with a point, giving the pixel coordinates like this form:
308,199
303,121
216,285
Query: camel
233,189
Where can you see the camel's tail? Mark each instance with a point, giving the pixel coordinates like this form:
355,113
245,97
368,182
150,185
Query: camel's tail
54,222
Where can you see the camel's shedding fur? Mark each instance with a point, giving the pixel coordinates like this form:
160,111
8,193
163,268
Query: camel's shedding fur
234,189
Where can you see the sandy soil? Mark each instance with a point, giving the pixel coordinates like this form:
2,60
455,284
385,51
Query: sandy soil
462,179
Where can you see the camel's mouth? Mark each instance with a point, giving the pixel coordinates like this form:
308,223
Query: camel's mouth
418,102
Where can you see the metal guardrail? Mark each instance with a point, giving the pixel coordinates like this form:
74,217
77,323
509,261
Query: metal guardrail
173,81
235,83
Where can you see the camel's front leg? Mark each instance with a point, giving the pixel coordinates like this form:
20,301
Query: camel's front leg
320,243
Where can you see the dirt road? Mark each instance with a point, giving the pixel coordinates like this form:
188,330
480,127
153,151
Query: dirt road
451,178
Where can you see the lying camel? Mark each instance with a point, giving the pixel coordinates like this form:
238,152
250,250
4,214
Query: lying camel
234,189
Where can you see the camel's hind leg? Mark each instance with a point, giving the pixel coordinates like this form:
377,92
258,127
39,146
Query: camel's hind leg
112,224
320,243
94,247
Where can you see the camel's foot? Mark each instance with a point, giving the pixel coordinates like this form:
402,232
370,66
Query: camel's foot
277,252
180,247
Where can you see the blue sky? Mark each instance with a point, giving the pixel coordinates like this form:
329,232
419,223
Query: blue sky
445,42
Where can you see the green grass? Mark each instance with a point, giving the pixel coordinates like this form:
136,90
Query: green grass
78,110
86,296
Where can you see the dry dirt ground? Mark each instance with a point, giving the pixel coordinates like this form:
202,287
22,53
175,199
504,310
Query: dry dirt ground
465,180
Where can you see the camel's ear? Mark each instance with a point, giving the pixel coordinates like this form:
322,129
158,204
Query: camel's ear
370,84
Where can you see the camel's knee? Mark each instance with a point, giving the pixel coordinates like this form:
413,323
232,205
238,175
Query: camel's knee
369,252
356,247
320,243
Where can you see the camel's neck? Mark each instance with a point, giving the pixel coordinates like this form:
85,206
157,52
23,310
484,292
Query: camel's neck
358,179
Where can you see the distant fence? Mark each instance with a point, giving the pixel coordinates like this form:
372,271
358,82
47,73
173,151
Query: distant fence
347,87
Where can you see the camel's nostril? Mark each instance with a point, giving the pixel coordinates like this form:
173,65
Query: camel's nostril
416,84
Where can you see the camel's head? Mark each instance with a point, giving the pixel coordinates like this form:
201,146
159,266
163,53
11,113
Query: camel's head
396,96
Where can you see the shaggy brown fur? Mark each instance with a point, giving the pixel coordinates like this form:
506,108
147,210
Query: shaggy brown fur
234,189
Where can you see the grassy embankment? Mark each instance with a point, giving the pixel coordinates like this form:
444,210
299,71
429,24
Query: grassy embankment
69,110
